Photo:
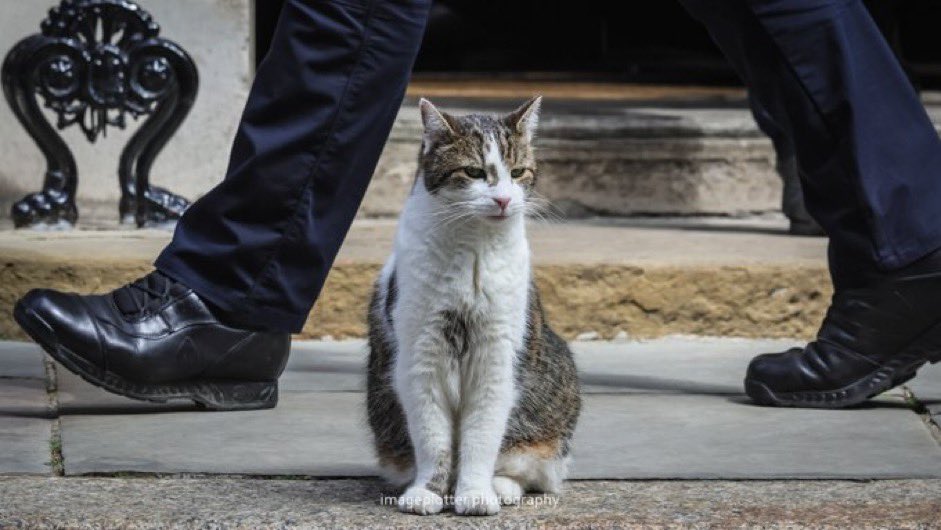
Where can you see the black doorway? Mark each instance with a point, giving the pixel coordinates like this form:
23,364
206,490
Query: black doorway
647,42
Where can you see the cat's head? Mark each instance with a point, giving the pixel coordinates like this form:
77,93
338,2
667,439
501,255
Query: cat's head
479,167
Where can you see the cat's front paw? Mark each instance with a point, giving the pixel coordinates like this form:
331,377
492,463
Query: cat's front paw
476,501
508,490
421,501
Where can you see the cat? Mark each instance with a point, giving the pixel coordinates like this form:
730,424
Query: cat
469,391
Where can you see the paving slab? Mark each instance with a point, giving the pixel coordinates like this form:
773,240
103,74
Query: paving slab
21,360
25,398
669,408
77,397
672,365
710,437
327,367
25,411
641,436
309,433
312,367
224,503
24,445
926,388
675,365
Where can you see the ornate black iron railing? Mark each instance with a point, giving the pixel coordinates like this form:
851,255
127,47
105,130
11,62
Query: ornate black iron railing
94,63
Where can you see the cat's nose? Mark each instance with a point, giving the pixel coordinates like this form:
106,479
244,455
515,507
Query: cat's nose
502,202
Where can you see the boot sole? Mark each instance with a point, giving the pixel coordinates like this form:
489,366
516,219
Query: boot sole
900,368
218,395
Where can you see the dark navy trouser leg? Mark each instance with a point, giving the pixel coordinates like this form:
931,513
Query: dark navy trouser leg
827,84
259,245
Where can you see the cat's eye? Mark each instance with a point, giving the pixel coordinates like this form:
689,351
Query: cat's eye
475,173
519,172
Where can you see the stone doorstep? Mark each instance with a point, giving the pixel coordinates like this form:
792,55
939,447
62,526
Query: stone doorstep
568,119
610,160
603,278
616,159
26,412
595,158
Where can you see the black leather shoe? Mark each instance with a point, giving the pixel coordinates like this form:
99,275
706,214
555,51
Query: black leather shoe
876,335
155,340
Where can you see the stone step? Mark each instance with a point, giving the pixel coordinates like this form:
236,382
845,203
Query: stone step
689,153
604,278
616,158
665,156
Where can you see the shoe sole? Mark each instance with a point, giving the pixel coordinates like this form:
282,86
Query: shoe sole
218,395
900,368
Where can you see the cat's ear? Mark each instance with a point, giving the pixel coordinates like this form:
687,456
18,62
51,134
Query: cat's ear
434,120
525,119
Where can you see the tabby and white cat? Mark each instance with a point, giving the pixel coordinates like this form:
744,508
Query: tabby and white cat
469,390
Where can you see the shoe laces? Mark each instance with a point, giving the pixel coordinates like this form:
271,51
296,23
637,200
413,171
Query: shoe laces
146,295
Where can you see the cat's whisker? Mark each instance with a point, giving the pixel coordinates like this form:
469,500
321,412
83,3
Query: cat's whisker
452,210
551,214
448,222
541,209
543,201
451,207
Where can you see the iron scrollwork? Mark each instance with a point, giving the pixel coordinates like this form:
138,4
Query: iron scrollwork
94,63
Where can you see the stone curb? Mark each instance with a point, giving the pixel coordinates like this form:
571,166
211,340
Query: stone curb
602,301
602,279
246,503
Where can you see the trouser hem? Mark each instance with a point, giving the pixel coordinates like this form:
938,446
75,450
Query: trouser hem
233,308
908,254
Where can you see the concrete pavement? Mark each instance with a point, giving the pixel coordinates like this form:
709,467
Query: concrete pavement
665,409
229,503
656,410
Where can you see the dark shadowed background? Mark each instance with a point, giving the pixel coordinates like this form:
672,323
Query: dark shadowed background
654,42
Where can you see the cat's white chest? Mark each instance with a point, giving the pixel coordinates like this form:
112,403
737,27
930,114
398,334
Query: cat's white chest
470,305
500,279
488,282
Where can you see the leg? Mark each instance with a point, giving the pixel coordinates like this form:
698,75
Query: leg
249,258
792,199
487,396
396,476
258,246
865,146
870,162
419,385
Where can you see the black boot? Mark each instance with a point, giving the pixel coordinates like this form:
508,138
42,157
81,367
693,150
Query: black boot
877,333
154,339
